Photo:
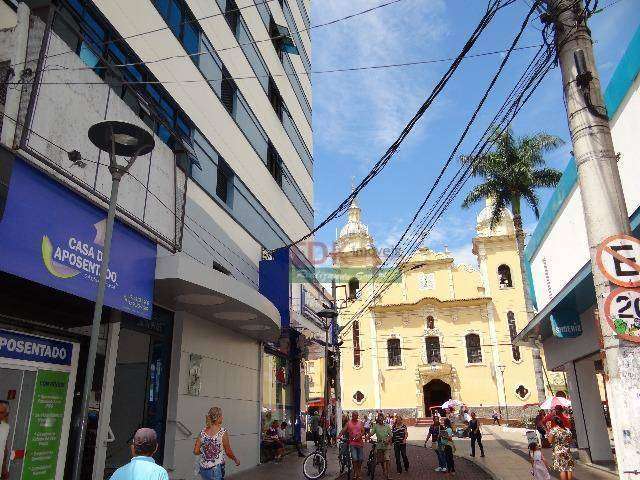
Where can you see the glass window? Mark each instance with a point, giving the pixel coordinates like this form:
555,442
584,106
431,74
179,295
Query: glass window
251,128
210,66
263,10
474,351
224,182
296,37
294,135
174,17
431,323
253,56
191,38
277,391
394,352
87,56
292,75
433,349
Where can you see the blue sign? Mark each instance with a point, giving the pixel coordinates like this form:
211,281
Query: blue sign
52,236
566,323
19,346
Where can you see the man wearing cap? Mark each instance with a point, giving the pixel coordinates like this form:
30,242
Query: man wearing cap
142,466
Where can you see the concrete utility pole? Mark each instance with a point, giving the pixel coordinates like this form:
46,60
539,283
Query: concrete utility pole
605,214
336,329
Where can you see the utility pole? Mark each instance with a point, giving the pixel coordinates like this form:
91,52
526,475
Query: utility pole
605,213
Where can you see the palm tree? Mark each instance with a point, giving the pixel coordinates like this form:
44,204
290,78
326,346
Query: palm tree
511,173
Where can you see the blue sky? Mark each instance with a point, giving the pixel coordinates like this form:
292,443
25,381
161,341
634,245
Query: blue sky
357,115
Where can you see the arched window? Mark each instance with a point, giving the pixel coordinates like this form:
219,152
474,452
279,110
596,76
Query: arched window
356,344
504,276
354,285
513,331
394,352
433,349
474,351
431,323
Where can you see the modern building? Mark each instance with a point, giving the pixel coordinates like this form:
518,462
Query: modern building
558,260
439,331
223,87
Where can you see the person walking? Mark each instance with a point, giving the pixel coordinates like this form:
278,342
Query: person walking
212,445
475,434
446,439
539,423
399,437
539,467
142,465
560,438
355,430
434,434
315,427
383,440
496,417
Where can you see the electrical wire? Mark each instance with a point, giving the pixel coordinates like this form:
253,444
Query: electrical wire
254,42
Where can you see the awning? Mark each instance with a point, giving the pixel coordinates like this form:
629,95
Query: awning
577,295
182,284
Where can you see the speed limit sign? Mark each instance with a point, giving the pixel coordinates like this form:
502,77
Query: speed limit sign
622,311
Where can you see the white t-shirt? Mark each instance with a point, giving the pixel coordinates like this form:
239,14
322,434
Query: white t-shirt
4,435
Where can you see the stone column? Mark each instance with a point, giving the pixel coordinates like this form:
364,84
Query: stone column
591,428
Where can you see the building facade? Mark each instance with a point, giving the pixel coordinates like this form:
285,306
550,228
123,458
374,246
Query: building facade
562,282
188,323
439,331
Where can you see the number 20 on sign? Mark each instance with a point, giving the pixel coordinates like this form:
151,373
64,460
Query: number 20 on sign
622,310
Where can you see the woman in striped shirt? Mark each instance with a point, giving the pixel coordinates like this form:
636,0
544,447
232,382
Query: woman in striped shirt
399,436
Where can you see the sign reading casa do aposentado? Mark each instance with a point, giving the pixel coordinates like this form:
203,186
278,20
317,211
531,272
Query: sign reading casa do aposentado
50,235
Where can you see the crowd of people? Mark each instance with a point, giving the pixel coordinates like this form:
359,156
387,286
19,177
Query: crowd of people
212,446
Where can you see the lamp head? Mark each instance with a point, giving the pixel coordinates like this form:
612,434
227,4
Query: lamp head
126,139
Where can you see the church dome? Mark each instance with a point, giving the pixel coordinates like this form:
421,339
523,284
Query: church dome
354,235
483,221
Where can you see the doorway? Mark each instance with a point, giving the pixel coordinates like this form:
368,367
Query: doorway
435,393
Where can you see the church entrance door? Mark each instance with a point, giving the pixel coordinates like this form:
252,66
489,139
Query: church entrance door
435,393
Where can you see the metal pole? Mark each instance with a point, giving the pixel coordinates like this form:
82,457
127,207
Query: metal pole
326,377
506,404
605,213
95,325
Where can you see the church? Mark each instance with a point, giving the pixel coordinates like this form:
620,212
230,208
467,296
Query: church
439,330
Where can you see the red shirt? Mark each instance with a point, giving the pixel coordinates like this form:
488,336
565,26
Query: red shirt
355,431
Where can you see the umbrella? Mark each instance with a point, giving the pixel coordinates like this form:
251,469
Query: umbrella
451,404
552,402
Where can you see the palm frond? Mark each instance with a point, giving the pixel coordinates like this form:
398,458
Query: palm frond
498,209
546,177
480,192
533,201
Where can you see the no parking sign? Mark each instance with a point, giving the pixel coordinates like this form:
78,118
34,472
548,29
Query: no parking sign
618,258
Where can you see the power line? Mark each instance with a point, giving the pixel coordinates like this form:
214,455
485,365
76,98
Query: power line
493,7
293,74
534,80
139,34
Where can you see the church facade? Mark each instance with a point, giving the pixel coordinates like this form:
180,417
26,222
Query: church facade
439,330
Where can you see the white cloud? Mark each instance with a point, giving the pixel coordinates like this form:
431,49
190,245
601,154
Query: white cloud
464,255
370,108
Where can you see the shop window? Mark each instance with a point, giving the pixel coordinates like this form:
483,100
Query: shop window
522,392
354,286
513,331
504,276
358,397
433,349
277,390
394,352
474,350
356,344
431,323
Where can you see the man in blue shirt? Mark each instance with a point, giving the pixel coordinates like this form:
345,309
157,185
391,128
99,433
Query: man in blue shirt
142,466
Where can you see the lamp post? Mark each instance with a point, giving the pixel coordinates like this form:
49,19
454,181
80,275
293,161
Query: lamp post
119,139
502,368
328,314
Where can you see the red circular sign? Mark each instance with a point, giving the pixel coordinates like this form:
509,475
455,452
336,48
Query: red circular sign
618,258
622,311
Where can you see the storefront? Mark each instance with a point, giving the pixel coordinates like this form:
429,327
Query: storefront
51,243
289,281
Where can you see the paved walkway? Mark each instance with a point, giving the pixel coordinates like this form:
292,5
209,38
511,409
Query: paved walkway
507,456
422,464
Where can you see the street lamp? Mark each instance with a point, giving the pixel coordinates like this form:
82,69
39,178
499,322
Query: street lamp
119,139
502,368
328,314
